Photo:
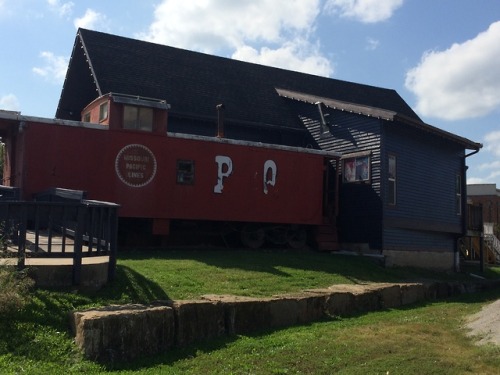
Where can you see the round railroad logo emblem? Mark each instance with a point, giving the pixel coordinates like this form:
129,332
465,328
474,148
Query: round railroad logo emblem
135,165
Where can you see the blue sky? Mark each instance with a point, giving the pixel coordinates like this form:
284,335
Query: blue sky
441,56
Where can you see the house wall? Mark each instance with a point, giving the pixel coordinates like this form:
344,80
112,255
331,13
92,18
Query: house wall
422,228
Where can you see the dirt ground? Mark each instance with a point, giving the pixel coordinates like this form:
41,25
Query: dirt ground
485,325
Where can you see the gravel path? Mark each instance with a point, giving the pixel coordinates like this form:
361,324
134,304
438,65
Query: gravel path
486,324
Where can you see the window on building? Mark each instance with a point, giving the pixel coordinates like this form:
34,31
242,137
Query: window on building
103,111
458,194
356,168
185,172
137,118
86,117
391,186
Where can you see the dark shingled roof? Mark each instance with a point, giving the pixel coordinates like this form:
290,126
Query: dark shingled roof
194,83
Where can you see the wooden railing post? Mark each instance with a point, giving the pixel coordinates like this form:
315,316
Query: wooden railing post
21,260
113,241
77,255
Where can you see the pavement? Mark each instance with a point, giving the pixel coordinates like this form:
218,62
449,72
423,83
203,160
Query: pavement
485,325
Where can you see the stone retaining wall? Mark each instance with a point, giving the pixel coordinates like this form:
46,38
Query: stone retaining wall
124,333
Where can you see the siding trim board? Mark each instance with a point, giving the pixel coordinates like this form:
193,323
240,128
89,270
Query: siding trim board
423,225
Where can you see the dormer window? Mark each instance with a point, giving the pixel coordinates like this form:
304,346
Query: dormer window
137,118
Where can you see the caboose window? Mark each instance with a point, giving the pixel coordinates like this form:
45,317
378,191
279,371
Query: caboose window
356,168
185,172
137,118
103,111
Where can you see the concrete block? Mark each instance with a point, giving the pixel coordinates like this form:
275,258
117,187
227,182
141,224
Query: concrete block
367,301
390,296
412,293
292,309
198,321
244,315
340,304
123,333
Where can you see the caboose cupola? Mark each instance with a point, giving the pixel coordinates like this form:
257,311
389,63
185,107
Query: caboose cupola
119,111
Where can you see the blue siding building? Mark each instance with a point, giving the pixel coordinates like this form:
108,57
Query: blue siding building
402,181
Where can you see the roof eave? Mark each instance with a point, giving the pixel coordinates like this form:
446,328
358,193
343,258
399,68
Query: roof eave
466,143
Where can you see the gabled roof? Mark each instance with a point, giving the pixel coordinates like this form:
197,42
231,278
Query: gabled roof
194,83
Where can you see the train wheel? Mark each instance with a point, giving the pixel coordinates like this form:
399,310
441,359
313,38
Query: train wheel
253,236
297,238
277,235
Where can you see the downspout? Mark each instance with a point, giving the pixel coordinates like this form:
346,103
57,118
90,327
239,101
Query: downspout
464,203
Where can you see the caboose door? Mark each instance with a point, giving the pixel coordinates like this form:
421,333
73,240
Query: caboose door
330,190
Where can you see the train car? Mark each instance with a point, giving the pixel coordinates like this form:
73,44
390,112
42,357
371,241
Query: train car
122,152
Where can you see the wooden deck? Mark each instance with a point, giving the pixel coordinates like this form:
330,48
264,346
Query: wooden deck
61,251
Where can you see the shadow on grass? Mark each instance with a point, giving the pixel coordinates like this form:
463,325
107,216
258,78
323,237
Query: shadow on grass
173,355
130,286
274,261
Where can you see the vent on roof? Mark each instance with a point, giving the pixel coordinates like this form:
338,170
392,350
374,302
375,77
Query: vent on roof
220,120
323,119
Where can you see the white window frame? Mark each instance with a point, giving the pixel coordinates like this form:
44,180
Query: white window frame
392,179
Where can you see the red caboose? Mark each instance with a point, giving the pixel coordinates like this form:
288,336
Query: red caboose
121,152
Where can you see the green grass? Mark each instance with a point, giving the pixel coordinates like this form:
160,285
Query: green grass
191,273
426,339
423,339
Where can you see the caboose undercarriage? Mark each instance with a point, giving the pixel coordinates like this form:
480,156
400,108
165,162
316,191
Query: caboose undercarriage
193,233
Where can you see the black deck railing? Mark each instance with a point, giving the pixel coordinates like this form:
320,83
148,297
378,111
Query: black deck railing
60,230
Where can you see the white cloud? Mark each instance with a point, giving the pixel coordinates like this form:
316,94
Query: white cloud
54,69
5,9
476,180
460,82
212,25
366,11
491,169
92,20
297,55
62,9
372,44
269,32
486,166
9,102
492,143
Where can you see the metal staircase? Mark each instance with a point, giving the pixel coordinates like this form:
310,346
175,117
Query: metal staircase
491,241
